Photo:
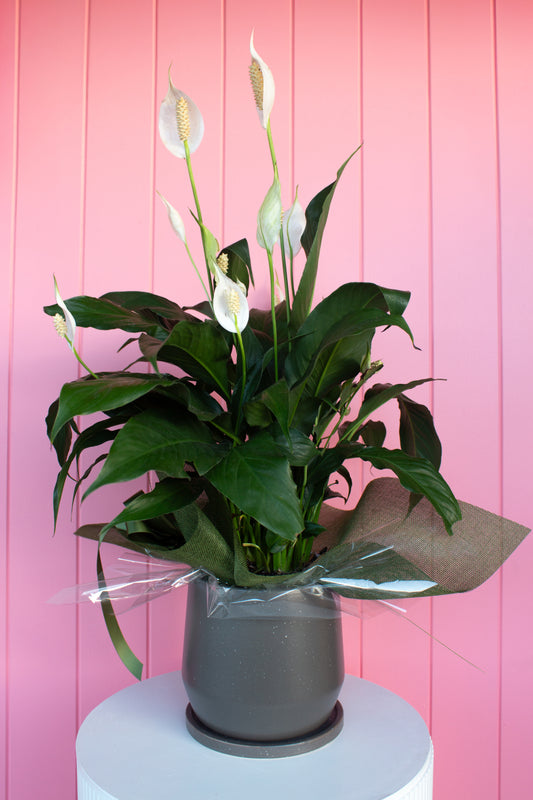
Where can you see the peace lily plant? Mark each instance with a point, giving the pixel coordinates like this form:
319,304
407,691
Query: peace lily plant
244,419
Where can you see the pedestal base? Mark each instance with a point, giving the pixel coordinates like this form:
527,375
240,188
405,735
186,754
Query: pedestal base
135,746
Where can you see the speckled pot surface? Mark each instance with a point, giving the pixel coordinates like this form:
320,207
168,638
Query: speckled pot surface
263,671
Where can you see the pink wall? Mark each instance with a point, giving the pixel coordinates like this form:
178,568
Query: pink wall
439,202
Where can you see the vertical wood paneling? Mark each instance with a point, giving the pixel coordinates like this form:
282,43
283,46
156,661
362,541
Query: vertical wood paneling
117,256
466,313
327,128
198,70
420,208
248,167
42,637
396,253
8,98
515,84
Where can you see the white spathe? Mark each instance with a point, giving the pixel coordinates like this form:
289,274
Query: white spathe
230,305
265,103
269,217
69,319
168,124
176,221
293,226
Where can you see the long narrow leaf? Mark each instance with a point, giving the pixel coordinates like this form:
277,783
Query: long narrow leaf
316,215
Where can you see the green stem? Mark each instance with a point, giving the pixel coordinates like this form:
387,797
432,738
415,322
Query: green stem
285,281
271,147
243,374
197,272
84,365
198,209
292,275
273,309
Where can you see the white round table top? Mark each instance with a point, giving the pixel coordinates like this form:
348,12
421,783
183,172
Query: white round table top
135,746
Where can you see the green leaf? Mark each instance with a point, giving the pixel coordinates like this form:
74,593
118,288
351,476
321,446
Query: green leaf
376,396
278,400
156,440
415,474
198,402
168,496
316,216
239,266
418,436
373,433
337,363
199,348
111,390
352,309
126,654
63,437
94,436
104,314
297,447
257,478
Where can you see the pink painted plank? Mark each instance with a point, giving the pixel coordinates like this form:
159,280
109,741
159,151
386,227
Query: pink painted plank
248,169
8,95
465,235
327,128
117,256
42,665
396,253
515,82
198,70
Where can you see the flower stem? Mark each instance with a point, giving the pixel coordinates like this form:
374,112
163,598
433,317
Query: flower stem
84,365
243,374
273,309
271,147
198,209
197,272
285,280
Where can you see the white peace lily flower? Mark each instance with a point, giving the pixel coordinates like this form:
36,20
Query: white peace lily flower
66,325
176,221
269,218
262,84
180,120
293,226
229,303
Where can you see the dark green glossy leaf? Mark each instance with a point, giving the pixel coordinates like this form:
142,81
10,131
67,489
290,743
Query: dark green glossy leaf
198,402
377,396
94,436
240,265
352,309
297,447
168,496
257,414
418,436
278,400
156,440
63,437
316,218
257,478
199,348
103,314
415,474
373,433
111,390
337,363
